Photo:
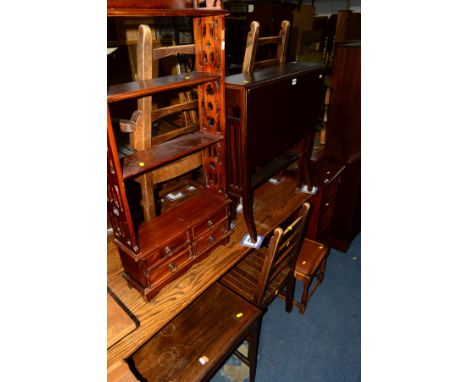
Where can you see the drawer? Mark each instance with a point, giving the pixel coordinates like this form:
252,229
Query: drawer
327,177
209,223
168,267
211,238
169,250
326,214
330,188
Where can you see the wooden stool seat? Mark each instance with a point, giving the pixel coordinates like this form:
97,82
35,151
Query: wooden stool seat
197,342
311,262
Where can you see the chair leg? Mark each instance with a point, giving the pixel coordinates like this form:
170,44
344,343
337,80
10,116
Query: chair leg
323,267
253,339
290,289
305,296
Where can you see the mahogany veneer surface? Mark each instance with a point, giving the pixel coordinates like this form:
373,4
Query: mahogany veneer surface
270,74
273,204
269,111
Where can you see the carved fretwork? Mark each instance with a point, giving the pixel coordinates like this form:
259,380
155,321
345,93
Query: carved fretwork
210,108
214,167
209,53
209,49
117,206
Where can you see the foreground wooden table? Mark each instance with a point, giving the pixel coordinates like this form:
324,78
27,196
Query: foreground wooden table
119,322
272,205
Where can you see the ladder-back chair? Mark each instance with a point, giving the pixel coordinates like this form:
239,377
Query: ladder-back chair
141,137
263,273
254,41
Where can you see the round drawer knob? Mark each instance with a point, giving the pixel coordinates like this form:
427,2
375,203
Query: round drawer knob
169,252
172,267
212,238
210,223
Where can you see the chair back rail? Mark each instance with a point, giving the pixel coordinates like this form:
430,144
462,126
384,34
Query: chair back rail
282,251
262,274
254,40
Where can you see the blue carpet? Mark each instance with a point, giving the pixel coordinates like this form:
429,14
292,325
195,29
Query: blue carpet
323,344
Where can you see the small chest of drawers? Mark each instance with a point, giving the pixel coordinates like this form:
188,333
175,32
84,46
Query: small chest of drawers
185,235
326,179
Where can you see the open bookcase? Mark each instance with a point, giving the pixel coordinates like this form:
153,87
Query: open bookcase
164,247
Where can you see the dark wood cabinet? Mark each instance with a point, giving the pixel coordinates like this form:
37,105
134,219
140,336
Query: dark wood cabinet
269,112
343,144
327,180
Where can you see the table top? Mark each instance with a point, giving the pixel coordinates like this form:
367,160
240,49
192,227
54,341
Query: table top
272,205
272,73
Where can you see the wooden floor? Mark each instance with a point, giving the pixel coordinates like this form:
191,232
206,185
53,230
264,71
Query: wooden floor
272,205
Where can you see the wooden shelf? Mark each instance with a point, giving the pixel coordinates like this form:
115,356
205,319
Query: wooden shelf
146,160
143,88
159,8
199,12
